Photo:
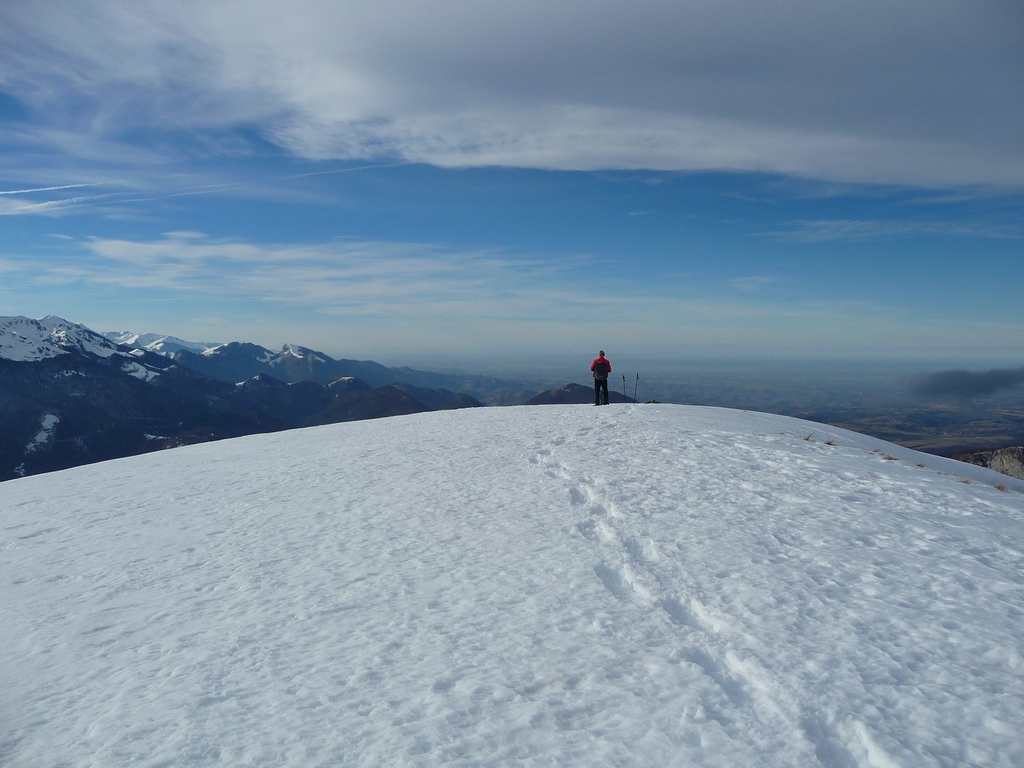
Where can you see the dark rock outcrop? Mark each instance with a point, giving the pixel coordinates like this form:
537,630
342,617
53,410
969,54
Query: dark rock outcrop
574,394
1008,461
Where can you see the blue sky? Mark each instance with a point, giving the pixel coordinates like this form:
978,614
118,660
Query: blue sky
458,180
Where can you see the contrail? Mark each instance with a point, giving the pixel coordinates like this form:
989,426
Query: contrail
347,170
225,188
44,189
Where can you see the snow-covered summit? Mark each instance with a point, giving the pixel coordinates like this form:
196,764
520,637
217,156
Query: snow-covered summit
155,342
558,585
25,339
294,350
239,348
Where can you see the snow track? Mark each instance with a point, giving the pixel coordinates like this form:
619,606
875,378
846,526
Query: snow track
558,585
721,620
631,569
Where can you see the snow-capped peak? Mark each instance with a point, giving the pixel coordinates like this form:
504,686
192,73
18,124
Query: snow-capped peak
294,350
27,340
236,349
130,338
160,344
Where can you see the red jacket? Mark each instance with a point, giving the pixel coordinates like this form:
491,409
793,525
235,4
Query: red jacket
607,367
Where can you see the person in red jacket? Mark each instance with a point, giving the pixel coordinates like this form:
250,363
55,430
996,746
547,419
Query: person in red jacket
601,368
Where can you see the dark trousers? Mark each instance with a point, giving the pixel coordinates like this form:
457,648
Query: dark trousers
600,384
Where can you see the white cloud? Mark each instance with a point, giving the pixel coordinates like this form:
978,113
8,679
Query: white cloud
911,92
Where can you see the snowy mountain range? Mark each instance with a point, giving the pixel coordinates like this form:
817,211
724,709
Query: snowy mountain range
237,361
648,585
69,395
154,342
23,339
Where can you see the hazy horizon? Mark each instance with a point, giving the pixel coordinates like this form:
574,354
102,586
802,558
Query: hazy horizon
905,379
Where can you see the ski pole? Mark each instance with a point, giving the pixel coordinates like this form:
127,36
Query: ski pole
624,387
635,386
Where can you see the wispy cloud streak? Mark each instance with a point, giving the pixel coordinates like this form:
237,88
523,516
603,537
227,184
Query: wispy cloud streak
341,277
16,207
823,230
752,283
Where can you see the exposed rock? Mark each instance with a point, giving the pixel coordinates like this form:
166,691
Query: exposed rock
1009,461
575,394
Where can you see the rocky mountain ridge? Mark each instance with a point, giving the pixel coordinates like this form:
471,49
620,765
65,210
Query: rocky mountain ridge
1009,460
238,360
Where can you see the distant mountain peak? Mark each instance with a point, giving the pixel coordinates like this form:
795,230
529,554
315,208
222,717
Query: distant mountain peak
158,343
237,349
301,353
24,339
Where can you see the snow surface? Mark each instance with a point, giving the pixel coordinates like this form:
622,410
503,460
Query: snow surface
46,426
552,585
139,371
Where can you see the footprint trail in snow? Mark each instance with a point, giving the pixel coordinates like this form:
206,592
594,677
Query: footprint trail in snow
716,613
